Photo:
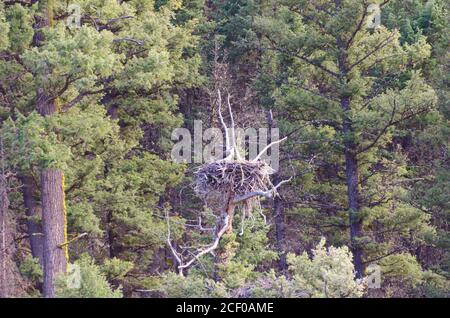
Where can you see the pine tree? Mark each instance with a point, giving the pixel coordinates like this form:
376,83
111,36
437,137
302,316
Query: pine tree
348,86
90,91
93,112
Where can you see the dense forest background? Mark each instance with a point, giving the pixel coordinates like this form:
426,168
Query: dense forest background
89,195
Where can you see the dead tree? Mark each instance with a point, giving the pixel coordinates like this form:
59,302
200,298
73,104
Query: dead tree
238,182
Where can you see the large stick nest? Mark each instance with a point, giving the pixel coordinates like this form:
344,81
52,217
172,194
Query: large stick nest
235,177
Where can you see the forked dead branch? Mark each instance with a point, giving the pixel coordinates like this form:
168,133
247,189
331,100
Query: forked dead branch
236,181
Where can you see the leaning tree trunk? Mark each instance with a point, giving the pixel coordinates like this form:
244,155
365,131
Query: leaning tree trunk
53,220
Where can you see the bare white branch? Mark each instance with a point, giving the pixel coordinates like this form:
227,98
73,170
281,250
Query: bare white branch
169,242
268,194
211,248
200,226
233,131
227,137
242,222
261,213
267,148
201,252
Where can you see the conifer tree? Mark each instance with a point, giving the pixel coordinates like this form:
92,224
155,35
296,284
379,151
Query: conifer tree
90,91
350,82
93,104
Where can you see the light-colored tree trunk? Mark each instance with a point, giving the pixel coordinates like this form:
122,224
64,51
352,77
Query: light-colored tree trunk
53,221
52,188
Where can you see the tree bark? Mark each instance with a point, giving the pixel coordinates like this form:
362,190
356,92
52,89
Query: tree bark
53,226
33,211
52,191
53,214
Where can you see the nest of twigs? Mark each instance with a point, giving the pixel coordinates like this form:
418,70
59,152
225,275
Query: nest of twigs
235,177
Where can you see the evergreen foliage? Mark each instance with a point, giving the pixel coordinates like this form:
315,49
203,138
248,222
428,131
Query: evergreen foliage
365,111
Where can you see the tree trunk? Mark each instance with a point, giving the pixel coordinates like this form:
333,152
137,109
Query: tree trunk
351,160
229,210
33,212
351,164
5,277
52,190
222,253
278,211
53,221
9,284
352,178
53,214
280,231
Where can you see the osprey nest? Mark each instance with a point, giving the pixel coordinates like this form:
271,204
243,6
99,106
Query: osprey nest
233,180
235,177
